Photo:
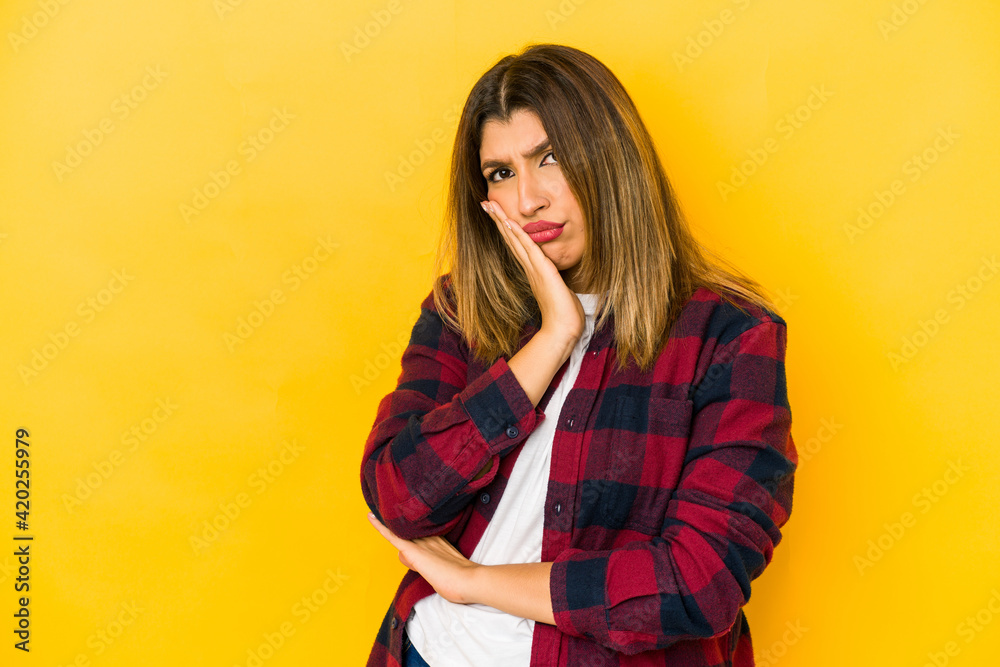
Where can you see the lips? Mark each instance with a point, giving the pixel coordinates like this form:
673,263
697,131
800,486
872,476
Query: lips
540,226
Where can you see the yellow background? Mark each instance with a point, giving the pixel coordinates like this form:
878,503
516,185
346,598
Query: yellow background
353,135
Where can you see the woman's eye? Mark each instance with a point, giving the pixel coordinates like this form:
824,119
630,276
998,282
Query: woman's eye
494,173
491,176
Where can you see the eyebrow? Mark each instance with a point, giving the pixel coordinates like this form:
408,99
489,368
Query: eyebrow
531,152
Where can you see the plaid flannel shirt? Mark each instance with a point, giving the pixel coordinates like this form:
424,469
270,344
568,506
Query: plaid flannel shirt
666,492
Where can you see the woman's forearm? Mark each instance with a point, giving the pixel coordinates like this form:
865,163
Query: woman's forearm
536,363
534,366
520,589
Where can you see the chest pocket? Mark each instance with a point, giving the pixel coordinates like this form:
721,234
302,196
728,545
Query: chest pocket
635,466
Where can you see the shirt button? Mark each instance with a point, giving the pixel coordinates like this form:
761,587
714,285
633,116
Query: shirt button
485,498
557,508
512,431
394,623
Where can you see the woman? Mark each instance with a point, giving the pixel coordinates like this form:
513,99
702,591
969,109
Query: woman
587,457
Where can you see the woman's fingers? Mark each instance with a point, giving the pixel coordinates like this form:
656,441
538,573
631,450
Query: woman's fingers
397,541
385,532
538,268
503,225
391,537
559,306
520,243
435,558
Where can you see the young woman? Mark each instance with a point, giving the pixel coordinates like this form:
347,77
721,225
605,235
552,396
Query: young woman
587,457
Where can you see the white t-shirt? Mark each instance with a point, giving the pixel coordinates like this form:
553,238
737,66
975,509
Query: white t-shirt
446,634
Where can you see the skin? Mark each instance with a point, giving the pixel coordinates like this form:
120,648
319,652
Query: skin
533,188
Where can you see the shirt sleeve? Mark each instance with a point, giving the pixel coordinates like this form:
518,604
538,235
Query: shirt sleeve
435,432
722,522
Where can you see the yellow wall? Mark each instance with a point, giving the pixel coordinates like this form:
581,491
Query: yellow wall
216,228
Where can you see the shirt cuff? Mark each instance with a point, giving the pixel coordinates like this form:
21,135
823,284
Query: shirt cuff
577,586
500,408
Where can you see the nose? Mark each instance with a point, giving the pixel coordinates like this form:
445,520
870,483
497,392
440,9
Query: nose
530,195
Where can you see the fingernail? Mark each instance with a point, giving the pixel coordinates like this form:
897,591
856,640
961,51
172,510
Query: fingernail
506,223
483,204
371,515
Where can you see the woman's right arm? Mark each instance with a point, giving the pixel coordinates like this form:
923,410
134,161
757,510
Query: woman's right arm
437,440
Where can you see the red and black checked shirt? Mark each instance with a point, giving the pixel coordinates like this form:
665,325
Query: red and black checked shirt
667,489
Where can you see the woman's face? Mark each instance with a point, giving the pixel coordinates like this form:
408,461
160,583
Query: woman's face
523,177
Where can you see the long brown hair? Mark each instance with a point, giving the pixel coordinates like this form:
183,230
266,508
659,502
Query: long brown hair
639,255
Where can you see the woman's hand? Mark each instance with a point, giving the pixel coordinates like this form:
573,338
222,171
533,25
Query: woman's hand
562,312
520,589
442,565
